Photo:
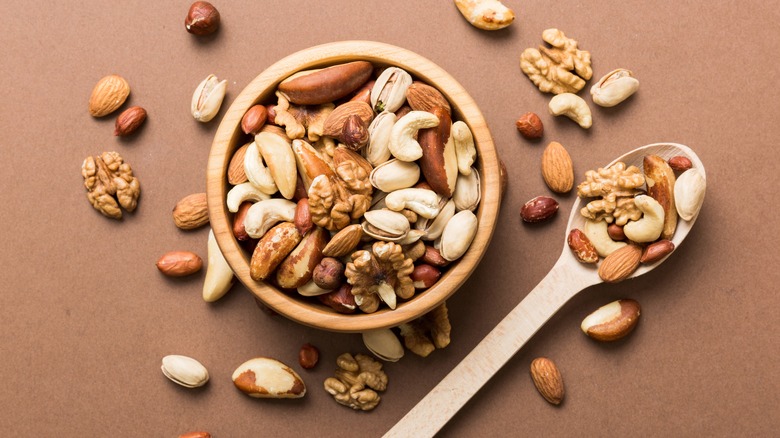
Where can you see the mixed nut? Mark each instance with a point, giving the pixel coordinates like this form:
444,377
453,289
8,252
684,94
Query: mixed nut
353,173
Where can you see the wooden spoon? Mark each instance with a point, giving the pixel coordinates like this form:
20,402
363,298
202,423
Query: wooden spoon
567,278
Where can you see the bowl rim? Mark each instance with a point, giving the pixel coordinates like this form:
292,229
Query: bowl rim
228,133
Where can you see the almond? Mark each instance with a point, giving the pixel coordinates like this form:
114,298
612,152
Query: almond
656,251
423,97
582,247
191,212
108,95
612,321
343,242
272,249
264,377
538,209
235,173
336,120
620,264
557,168
179,263
547,379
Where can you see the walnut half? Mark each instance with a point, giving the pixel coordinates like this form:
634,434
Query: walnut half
110,183
435,323
357,381
382,272
550,69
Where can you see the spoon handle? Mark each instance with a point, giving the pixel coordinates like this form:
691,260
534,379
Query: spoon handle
455,390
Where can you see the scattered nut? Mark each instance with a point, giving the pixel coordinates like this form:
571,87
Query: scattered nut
110,183
383,344
615,87
656,251
486,14
538,209
184,371
680,163
207,98
530,126
108,95
573,107
427,333
581,247
264,377
357,381
191,212
329,273
620,264
179,263
550,69
202,19
612,321
557,168
547,379
219,276
308,356
254,119
129,121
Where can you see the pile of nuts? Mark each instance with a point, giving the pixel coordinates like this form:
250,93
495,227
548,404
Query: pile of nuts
358,188
628,224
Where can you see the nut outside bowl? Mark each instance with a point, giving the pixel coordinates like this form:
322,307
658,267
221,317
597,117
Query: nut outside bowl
229,137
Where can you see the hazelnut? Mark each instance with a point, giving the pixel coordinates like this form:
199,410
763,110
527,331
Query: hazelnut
530,126
308,356
254,119
328,274
354,134
202,19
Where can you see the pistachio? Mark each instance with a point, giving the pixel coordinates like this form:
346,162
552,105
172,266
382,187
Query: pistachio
384,344
385,225
467,191
689,193
184,371
207,98
615,87
389,91
394,175
378,150
434,228
424,202
457,235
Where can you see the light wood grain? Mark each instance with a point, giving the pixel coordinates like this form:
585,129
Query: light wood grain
261,89
567,278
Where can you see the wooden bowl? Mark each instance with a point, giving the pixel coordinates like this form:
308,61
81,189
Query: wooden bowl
229,137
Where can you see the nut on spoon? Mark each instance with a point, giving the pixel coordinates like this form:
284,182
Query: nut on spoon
567,278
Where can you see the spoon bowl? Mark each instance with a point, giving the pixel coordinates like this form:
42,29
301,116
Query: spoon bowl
566,278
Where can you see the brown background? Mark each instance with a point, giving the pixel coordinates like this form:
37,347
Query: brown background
86,317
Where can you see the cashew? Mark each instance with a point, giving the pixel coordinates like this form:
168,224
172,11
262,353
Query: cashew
573,107
421,201
599,237
464,146
265,214
650,226
278,155
403,144
244,192
219,276
256,172
486,14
